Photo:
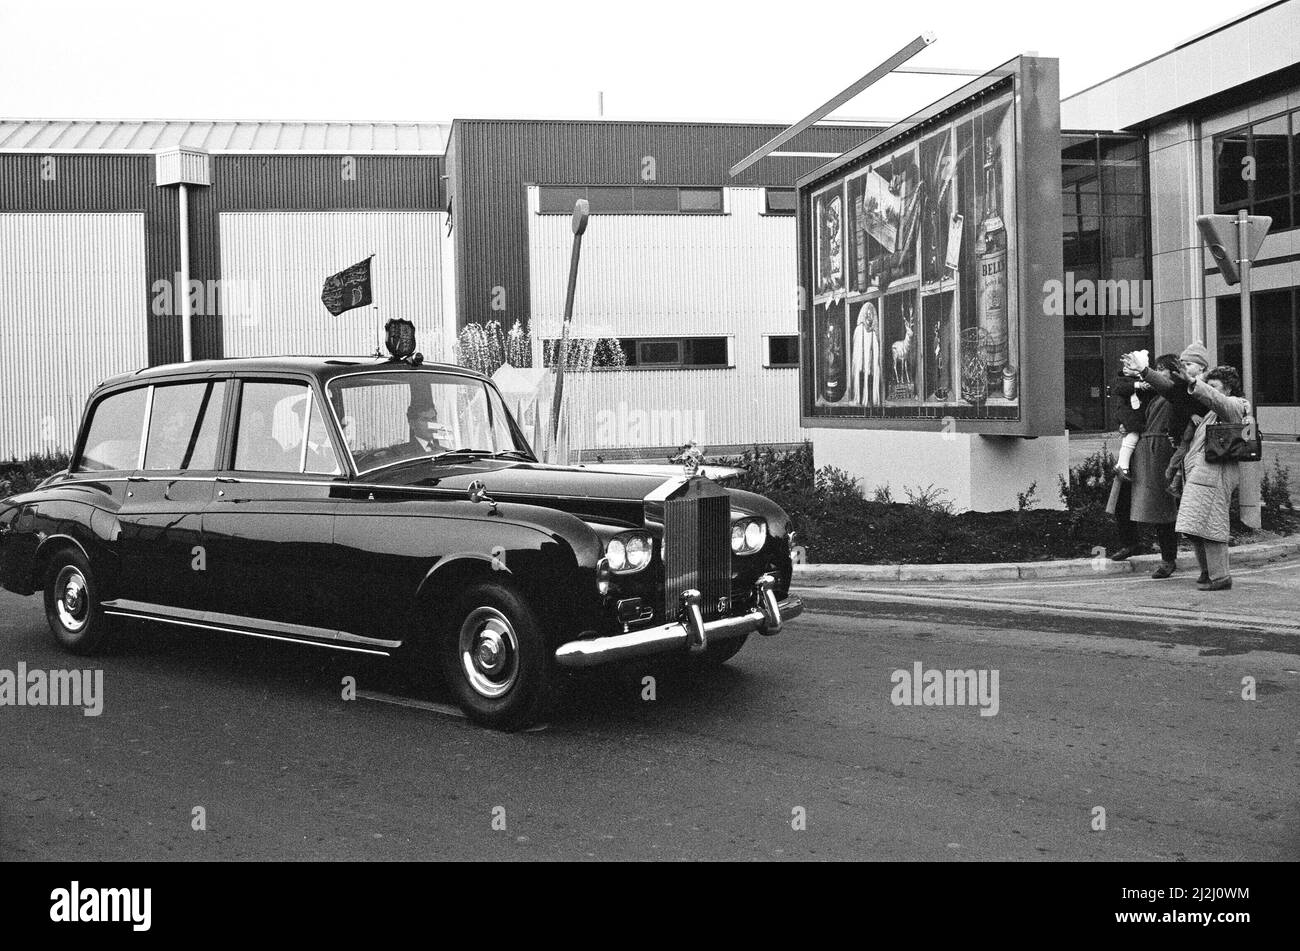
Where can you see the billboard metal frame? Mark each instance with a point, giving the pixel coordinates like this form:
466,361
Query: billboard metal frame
1035,106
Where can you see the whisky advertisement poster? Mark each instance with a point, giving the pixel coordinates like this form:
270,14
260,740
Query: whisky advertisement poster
916,311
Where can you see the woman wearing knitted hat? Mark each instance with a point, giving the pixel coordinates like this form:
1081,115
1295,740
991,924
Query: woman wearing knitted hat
1207,493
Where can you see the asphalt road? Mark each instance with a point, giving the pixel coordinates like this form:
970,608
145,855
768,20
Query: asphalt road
1147,723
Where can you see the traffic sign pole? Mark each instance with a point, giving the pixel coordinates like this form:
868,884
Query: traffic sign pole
1248,494
1234,243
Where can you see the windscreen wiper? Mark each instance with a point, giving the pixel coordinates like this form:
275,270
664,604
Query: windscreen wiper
462,452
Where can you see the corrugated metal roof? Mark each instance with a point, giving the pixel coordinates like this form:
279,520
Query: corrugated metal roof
140,135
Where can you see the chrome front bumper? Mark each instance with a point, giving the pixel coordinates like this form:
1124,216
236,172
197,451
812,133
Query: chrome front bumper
689,635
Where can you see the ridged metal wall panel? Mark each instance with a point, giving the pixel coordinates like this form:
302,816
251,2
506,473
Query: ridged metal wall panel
322,183
650,409
71,315
496,160
274,264
642,275
677,275
105,183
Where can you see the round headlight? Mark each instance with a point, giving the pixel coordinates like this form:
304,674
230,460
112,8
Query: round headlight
737,536
616,552
755,535
638,551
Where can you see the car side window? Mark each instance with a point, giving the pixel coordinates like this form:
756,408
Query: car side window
281,429
320,458
184,425
113,437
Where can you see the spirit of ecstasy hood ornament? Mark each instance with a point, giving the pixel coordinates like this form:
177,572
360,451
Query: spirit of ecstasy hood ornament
691,457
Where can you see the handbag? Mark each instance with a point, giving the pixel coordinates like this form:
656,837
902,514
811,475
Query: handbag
1233,442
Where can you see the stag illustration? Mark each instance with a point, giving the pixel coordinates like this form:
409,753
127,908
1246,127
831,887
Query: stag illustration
902,351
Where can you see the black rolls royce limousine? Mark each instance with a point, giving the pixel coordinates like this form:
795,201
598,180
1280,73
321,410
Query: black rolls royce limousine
390,508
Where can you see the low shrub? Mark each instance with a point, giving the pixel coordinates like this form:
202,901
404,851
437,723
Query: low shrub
1088,485
22,475
1275,487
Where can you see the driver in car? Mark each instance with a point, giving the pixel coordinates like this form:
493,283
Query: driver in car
428,436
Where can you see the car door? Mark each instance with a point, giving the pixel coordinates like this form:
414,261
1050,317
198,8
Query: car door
268,529
161,557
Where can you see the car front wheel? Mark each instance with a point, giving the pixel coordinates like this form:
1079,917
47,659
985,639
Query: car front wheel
72,604
494,657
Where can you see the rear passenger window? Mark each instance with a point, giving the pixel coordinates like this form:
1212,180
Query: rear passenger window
184,425
282,430
113,436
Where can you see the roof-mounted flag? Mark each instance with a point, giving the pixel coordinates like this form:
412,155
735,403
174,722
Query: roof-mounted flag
348,288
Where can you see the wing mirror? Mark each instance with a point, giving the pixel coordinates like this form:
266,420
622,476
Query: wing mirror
477,492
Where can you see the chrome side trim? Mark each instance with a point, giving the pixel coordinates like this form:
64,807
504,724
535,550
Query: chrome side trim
49,538
237,624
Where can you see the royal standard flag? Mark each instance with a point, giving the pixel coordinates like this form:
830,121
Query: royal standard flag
347,289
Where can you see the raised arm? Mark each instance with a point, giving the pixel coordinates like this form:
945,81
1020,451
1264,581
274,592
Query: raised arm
1159,381
1230,408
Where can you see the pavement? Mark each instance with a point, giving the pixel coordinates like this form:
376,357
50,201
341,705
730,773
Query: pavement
1260,553
797,749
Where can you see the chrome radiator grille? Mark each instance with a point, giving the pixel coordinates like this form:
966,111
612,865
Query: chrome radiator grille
697,551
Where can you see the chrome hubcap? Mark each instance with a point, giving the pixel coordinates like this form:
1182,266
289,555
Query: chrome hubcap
489,652
73,603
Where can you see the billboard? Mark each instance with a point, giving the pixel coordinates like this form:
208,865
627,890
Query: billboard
923,254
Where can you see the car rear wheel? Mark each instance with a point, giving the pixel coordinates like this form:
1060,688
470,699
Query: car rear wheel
494,657
72,606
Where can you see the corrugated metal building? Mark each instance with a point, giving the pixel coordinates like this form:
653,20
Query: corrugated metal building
454,216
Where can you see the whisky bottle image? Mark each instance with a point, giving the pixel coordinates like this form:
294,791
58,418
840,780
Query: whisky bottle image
830,340
992,266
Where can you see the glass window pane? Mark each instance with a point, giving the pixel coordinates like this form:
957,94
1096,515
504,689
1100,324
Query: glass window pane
1078,159
1272,163
1082,243
1124,205
271,423
654,198
780,201
783,351
559,199
184,426
321,458
1121,166
659,352
607,199
707,351
1079,202
1279,209
1124,247
1230,184
113,439
701,199
1274,325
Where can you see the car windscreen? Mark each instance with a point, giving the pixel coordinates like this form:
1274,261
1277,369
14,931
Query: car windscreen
392,416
